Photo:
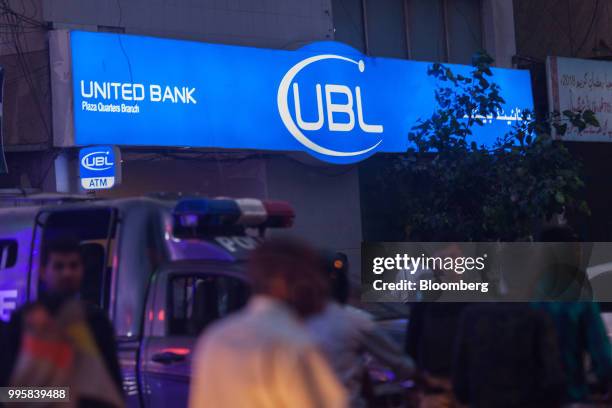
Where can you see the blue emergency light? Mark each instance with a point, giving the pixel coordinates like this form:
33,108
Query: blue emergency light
193,212
197,214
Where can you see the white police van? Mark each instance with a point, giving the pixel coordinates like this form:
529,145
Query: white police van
163,268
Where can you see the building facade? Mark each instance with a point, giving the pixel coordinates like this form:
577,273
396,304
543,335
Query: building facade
327,198
570,29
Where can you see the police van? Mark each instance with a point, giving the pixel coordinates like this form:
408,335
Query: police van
163,268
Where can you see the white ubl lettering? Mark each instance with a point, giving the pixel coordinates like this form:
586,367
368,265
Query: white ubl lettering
337,108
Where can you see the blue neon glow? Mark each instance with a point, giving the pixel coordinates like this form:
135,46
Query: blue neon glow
132,90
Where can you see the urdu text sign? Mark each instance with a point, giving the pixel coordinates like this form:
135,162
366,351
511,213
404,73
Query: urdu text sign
579,85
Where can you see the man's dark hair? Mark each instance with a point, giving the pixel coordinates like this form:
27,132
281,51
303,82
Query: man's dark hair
64,246
299,265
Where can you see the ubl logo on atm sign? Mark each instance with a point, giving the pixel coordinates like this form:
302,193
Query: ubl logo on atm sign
99,167
338,110
97,161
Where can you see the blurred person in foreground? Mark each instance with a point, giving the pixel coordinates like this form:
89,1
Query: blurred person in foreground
431,335
345,334
580,329
562,275
5,370
263,355
60,340
506,356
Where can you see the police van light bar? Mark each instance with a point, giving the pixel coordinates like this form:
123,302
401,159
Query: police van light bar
248,212
252,212
193,212
188,220
280,214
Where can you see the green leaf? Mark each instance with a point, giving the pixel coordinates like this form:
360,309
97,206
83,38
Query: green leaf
569,114
489,194
561,129
589,117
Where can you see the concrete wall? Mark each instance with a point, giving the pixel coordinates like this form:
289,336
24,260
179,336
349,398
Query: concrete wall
25,60
211,175
326,199
498,30
570,28
578,29
260,23
26,105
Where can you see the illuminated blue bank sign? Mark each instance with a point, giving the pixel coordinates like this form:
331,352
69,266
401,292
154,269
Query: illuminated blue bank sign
99,167
326,99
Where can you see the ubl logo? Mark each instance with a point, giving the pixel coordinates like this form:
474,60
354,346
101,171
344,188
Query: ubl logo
97,161
352,110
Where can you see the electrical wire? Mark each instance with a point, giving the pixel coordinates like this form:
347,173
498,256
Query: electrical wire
232,157
26,71
16,25
468,25
357,27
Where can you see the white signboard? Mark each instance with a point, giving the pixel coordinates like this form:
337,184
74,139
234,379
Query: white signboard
579,85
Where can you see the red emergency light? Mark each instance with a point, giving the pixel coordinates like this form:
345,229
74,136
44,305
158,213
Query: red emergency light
280,214
199,213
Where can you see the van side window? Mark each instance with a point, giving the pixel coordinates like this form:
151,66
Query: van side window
94,272
8,253
95,229
197,300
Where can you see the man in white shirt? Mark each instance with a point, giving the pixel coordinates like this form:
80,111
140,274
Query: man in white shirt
345,334
262,356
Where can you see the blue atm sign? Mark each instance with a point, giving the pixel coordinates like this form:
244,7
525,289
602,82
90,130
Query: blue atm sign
326,99
99,167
